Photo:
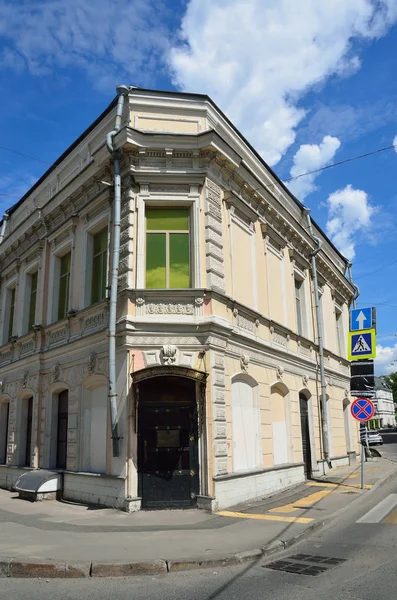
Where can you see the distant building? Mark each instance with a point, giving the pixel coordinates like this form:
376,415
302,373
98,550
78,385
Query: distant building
217,353
384,405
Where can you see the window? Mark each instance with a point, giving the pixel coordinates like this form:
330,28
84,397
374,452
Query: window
25,432
339,332
32,300
11,312
99,266
167,248
62,430
4,414
64,285
246,427
299,305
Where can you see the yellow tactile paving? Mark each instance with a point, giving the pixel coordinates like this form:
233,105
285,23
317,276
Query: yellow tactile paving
392,518
302,502
367,486
266,517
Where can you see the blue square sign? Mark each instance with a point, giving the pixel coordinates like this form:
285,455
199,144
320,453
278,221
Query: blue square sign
360,318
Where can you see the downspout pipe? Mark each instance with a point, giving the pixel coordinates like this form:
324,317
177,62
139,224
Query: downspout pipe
356,288
122,92
6,216
319,319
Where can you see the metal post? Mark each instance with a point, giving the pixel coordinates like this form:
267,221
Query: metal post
362,465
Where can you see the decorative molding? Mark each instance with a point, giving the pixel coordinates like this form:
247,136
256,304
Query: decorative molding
213,236
92,362
57,372
168,354
280,372
244,362
305,380
169,308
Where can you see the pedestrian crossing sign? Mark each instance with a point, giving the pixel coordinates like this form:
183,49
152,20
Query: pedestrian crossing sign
362,344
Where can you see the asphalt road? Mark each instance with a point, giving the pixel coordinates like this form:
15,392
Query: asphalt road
368,548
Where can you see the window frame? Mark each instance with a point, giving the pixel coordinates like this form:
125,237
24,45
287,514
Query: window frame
170,199
27,327
92,227
168,233
298,307
340,339
104,265
11,285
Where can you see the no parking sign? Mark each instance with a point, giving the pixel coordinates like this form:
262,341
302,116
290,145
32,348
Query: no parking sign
362,409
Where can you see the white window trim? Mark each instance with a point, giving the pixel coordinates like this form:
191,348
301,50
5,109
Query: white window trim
11,284
57,253
93,226
191,201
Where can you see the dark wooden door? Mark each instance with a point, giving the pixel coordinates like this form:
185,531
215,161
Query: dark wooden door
62,432
28,448
168,454
307,458
5,415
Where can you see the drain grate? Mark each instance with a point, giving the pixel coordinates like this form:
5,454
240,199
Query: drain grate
316,564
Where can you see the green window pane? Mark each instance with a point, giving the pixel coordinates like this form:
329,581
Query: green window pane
170,219
65,264
12,307
99,266
32,303
98,280
101,241
155,260
63,301
179,260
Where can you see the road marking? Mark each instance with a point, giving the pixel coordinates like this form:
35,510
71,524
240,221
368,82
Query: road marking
302,502
239,515
380,511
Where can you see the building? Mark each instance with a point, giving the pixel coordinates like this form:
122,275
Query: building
384,405
217,357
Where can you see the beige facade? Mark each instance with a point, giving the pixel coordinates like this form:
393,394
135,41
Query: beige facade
243,331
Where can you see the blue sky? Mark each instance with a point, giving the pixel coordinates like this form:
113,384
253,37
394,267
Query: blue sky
309,83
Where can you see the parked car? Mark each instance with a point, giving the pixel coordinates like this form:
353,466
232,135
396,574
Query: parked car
374,438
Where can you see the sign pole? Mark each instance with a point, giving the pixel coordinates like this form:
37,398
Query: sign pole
362,465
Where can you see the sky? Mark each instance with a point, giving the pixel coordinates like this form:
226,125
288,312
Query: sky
308,83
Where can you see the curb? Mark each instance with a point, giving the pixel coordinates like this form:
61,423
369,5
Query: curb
47,569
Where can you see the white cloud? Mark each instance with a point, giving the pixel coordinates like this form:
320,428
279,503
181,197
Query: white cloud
385,356
308,158
395,143
349,215
110,40
257,59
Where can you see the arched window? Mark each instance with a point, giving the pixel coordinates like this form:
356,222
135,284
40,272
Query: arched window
246,425
95,410
4,414
280,424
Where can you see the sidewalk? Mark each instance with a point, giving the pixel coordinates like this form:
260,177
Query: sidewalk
54,539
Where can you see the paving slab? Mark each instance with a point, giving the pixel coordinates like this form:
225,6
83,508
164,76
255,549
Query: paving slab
69,540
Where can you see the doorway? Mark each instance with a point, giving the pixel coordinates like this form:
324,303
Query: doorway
26,431
168,463
306,449
62,429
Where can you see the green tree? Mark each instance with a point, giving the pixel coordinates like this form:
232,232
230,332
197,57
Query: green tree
391,380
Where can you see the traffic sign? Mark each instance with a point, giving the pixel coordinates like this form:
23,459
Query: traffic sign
362,409
360,318
362,344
